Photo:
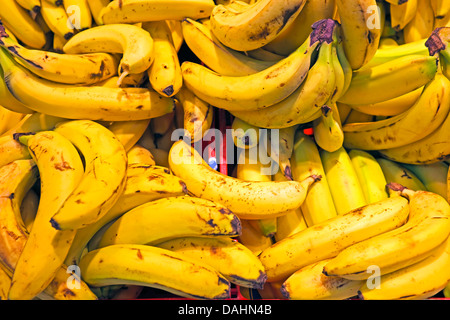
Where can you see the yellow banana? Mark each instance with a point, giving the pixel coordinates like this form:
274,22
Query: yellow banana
153,267
440,8
5,282
172,217
63,68
230,258
145,183
253,238
140,155
318,205
57,19
253,26
9,119
389,80
60,171
356,116
165,72
328,132
96,7
245,136
254,200
252,92
176,31
30,5
428,226
361,30
19,22
402,13
422,24
129,132
104,177
221,59
433,176
397,173
370,175
82,102
79,13
343,181
425,116
309,283
134,43
326,239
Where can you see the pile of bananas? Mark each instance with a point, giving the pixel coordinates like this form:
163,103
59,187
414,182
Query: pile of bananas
345,104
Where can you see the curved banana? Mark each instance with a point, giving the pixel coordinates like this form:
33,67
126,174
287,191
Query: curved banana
254,200
62,68
309,283
343,181
145,183
253,238
433,176
221,59
57,19
253,26
129,132
370,175
425,116
164,73
328,132
176,31
134,11
134,43
140,155
402,13
326,239
360,32
389,80
153,267
252,92
428,226
198,115
440,8
395,172
60,171
8,101
172,217
79,13
104,177
19,22
318,205
81,102
421,25
229,257
96,7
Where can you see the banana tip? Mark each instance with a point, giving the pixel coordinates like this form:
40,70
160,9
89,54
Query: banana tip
55,224
394,186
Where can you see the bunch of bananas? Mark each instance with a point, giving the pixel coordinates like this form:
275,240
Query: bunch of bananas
340,118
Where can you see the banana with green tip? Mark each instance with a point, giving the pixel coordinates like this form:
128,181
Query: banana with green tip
155,267
397,173
229,257
171,217
328,132
428,226
433,176
318,205
326,239
60,171
255,200
104,177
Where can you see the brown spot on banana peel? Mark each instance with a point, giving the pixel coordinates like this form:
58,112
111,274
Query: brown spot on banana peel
258,283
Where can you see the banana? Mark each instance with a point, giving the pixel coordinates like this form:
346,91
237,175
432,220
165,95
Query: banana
245,136
252,92
62,68
426,115
391,107
8,101
360,30
79,13
60,171
82,102
428,226
221,59
356,116
318,205
176,31
401,14
422,24
145,183
133,11
96,7
370,175
9,119
198,115
303,105
19,22
253,26
103,179
253,238
140,155
134,43
165,72
344,184
230,258
29,207
172,217
328,132
433,176
344,111
264,55
309,283
129,132
326,239
440,8
30,5
254,200
57,19
397,173
283,153
153,267
291,37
